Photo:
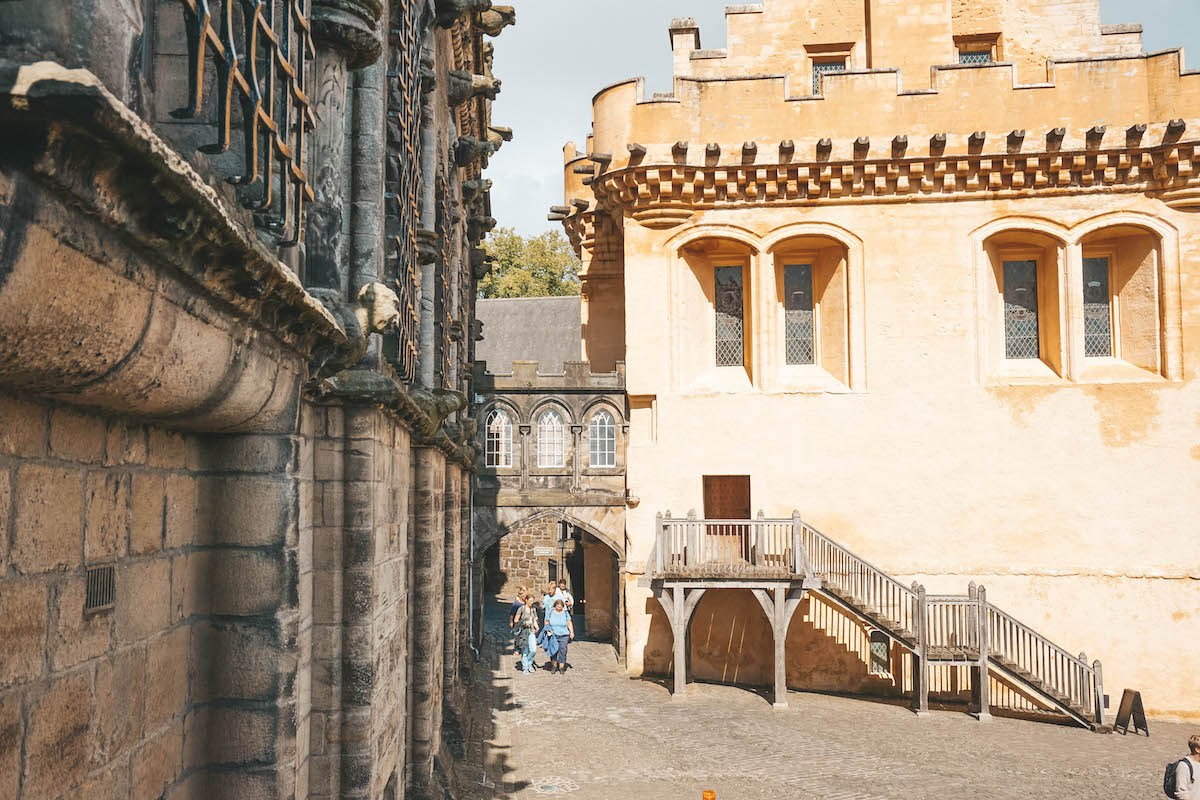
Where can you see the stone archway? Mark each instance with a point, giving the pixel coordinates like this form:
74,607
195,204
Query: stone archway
594,568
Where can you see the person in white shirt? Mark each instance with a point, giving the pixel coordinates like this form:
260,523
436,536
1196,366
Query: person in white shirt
1187,772
566,596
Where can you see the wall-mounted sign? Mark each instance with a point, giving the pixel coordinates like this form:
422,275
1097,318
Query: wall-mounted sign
538,552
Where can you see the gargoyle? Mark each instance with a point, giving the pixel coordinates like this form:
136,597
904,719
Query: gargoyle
478,227
448,11
472,189
497,135
481,263
376,310
462,86
437,405
468,150
496,19
462,432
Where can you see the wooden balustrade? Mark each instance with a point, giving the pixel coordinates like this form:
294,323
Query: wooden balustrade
946,629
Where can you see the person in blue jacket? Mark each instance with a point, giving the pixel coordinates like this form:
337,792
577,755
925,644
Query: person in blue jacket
558,623
526,637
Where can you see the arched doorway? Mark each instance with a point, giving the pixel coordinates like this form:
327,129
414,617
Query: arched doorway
552,543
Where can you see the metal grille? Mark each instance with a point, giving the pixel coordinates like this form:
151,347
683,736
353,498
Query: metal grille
499,439
602,440
822,67
1097,309
881,648
728,289
550,449
974,56
799,341
403,180
100,593
1021,310
275,44
443,300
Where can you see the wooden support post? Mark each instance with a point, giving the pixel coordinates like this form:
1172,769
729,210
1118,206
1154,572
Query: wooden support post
692,556
1099,691
780,626
658,542
920,678
758,525
679,628
982,672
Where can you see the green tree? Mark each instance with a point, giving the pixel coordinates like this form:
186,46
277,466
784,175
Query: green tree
530,266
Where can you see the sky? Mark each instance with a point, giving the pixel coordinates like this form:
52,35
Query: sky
561,52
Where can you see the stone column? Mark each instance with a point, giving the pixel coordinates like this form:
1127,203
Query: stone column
453,574
346,36
428,619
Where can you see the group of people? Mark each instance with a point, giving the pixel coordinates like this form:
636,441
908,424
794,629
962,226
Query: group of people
544,621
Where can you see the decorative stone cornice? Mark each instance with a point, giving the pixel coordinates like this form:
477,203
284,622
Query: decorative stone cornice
663,195
350,26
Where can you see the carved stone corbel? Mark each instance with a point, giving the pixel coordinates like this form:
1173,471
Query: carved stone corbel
478,227
496,19
375,310
447,12
468,150
350,26
462,86
473,189
498,135
437,405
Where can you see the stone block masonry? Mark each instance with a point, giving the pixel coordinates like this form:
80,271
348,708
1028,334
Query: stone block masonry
520,565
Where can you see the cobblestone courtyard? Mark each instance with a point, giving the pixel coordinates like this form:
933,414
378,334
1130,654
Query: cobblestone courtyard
596,733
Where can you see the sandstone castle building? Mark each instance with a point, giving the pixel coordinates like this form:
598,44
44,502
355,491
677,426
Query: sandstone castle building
905,305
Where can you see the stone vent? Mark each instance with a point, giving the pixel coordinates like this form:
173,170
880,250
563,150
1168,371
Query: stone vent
101,589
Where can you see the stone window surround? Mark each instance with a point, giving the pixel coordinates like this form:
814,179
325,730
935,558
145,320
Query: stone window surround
530,433
1071,248
622,432
520,432
979,43
766,371
824,54
524,450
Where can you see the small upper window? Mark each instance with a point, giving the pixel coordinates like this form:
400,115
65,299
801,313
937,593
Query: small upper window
550,449
602,440
499,439
881,651
823,66
966,56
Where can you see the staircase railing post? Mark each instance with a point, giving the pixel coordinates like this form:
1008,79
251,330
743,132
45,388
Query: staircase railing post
659,543
691,557
920,657
797,544
983,674
1099,671
759,524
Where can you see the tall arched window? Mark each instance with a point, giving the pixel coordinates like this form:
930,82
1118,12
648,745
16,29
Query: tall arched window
499,439
550,450
602,440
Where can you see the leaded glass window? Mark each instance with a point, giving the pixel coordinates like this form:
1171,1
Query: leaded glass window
1097,309
729,328
822,67
550,449
799,340
602,440
499,439
975,56
1021,310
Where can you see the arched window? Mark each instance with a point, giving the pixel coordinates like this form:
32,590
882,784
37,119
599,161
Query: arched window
550,450
499,439
602,440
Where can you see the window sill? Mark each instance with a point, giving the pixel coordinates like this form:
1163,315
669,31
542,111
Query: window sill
1115,370
722,379
807,379
1024,371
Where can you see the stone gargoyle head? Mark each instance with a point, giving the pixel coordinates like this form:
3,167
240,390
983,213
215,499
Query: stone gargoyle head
377,309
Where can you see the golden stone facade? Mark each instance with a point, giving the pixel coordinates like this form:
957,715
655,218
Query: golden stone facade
930,274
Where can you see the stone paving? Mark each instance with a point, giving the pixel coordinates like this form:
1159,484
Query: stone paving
596,734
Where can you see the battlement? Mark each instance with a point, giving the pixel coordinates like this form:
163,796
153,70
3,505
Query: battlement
872,104
525,376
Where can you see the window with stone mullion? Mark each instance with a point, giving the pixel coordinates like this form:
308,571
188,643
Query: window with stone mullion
551,451
730,348
1097,309
499,439
602,441
1021,310
799,334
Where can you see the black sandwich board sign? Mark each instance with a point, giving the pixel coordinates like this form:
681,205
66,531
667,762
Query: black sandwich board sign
1131,710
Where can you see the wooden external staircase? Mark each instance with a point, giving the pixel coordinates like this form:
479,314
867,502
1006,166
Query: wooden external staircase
780,559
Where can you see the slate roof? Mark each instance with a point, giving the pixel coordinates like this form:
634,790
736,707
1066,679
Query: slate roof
542,329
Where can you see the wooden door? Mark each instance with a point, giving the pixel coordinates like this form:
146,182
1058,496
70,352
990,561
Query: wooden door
727,497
